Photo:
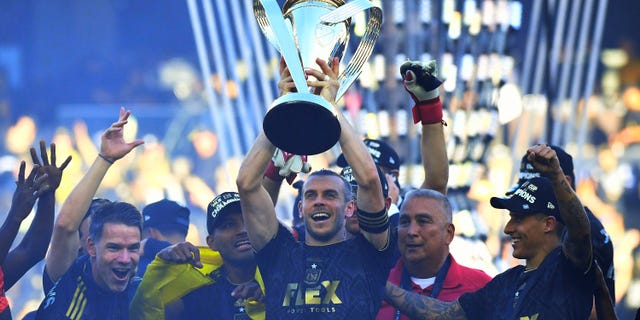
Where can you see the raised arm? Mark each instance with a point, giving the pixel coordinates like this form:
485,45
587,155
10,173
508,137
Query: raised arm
258,210
24,197
577,244
422,307
370,198
64,242
420,80
259,179
33,246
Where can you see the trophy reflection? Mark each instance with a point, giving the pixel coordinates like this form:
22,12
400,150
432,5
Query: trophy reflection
301,122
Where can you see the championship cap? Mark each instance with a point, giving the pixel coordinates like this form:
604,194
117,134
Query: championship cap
166,215
381,152
533,196
528,171
347,173
224,203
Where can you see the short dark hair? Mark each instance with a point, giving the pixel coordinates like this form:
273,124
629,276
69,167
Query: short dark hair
114,212
95,205
346,186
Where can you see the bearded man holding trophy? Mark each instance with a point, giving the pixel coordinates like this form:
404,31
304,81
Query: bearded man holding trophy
328,276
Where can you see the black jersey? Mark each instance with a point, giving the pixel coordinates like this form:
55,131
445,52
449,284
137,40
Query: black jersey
214,301
602,251
76,296
339,281
151,248
555,290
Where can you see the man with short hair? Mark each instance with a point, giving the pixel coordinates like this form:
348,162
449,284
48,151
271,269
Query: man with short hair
425,226
100,279
426,267
165,223
185,281
556,281
83,235
96,283
328,276
600,240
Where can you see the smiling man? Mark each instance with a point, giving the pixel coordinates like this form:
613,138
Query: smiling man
188,282
328,276
556,281
426,267
97,285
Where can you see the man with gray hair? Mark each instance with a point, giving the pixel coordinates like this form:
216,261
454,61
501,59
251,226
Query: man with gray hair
426,267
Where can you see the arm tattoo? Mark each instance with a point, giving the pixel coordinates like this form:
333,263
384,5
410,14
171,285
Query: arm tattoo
423,307
578,243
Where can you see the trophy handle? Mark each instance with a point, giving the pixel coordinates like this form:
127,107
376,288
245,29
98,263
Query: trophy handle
363,52
275,28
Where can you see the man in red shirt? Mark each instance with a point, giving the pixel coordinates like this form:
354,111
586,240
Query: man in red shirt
426,267
425,227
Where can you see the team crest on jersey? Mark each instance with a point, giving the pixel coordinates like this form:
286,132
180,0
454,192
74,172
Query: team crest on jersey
312,275
239,311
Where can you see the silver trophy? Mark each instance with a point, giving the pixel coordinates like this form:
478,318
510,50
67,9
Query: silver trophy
302,122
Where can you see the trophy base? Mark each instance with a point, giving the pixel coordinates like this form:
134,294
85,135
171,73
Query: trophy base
302,124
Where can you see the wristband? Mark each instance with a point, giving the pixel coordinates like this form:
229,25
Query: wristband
428,112
272,172
110,161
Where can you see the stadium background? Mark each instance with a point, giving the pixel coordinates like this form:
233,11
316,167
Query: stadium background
517,73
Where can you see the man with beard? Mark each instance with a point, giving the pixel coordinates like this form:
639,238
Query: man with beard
328,276
213,282
97,284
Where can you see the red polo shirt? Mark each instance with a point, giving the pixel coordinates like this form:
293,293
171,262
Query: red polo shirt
459,280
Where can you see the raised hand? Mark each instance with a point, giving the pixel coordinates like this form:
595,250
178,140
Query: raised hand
248,290
183,252
27,191
545,160
286,165
421,81
286,84
48,168
327,84
113,146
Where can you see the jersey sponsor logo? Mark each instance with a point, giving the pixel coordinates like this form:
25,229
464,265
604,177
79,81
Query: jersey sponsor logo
314,299
532,317
312,295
